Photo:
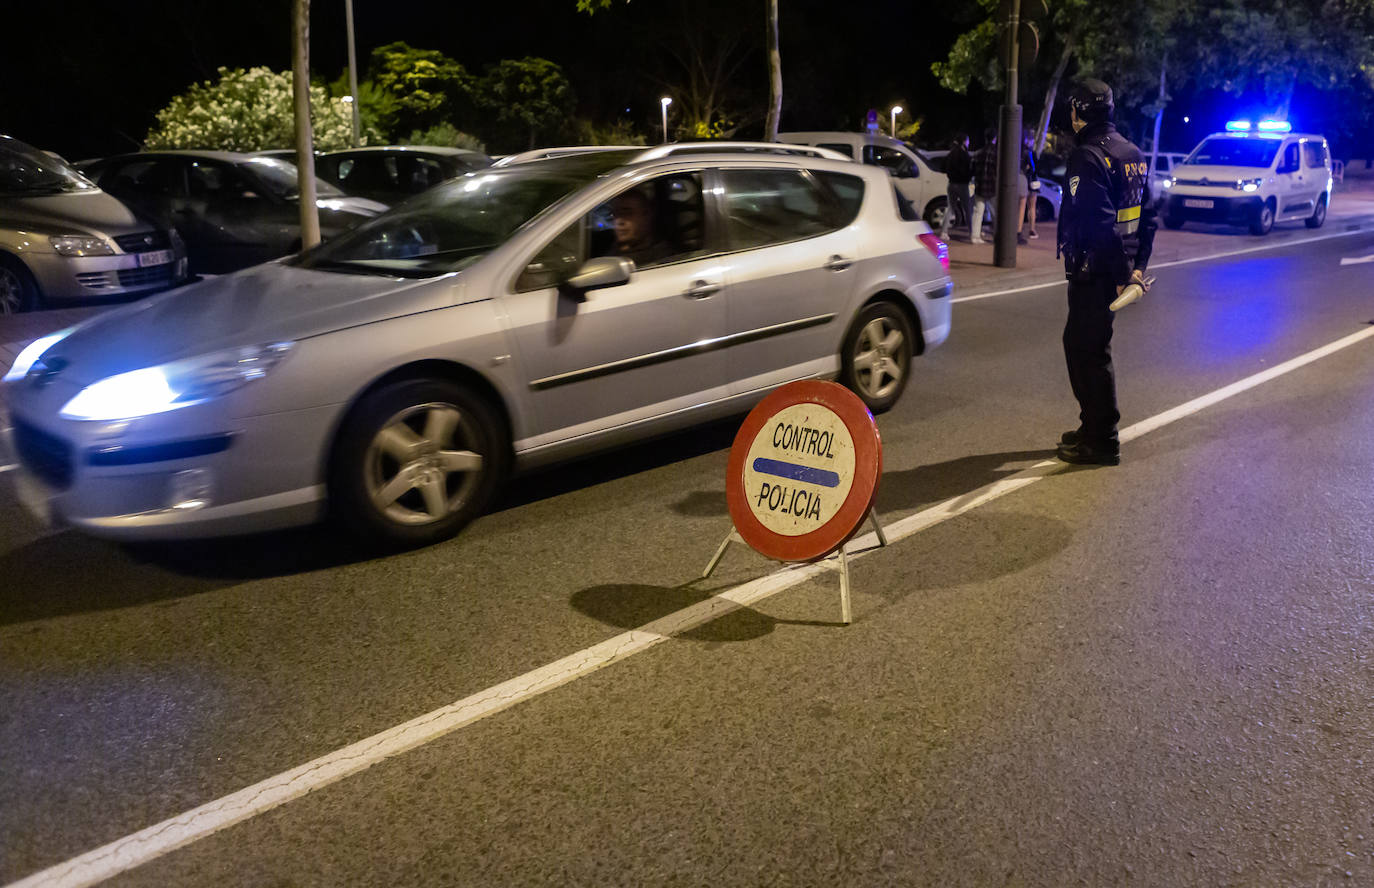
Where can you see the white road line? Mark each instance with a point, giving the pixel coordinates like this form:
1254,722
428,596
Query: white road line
198,823
9,468
1273,246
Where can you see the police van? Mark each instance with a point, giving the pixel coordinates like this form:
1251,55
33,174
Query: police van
1252,175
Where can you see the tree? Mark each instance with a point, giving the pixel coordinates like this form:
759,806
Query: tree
425,87
528,94
247,110
774,112
300,82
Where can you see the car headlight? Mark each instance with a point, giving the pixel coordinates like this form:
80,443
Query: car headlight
174,385
81,245
1248,184
31,353
1170,181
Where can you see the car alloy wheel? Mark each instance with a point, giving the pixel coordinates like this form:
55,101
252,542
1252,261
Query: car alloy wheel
419,467
17,289
877,356
417,460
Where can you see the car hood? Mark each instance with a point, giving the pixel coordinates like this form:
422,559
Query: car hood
1219,175
264,304
86,212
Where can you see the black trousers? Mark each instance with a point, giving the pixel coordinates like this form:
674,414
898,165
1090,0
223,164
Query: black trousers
1088,353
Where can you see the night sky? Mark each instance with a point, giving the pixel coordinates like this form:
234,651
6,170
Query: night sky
85,78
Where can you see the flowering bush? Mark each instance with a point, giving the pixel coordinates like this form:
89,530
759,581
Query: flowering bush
250,111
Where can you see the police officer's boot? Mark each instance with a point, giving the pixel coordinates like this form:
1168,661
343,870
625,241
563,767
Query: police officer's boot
1071,437
1086,453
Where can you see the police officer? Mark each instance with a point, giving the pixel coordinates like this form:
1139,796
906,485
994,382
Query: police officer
1106,233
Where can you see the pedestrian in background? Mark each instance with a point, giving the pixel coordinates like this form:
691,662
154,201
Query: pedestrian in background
985,185
1106,234
1027,214
959,192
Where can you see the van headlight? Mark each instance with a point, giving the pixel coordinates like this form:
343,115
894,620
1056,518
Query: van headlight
175,385
81,245
1248,185
1170,181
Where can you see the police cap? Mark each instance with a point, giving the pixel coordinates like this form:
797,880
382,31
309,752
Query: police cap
1092,99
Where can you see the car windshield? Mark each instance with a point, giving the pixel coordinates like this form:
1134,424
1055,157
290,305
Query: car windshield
1235,152
452,225
280,178
26,170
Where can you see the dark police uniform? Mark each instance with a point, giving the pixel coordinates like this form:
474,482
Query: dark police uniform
1106,231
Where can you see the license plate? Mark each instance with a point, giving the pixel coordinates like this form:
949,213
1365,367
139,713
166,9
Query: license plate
1198,204
156,257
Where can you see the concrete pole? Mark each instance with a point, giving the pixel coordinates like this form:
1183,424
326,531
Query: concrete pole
1009,150
353,74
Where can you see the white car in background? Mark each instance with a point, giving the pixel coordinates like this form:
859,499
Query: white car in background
916,179
1252,176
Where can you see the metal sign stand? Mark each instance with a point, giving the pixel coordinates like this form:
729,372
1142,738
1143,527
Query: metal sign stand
843,558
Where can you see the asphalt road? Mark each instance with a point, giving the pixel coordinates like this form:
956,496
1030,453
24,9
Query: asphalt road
1155,674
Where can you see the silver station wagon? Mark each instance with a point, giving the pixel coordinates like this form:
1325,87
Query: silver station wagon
392,377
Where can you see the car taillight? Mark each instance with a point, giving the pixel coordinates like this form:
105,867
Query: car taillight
937,247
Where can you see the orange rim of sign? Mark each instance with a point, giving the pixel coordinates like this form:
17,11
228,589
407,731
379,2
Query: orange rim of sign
868,468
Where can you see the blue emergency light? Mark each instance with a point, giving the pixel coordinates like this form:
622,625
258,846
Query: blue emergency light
1275,126
1238,126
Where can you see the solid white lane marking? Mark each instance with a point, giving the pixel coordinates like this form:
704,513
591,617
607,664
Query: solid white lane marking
1357,260
1154,265
9,468
155,841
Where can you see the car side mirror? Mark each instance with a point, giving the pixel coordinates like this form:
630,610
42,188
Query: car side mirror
604,271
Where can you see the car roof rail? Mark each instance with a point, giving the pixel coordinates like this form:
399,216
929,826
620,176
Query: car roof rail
783,148
546,153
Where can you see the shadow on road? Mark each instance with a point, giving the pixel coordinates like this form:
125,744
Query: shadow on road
630,606
69,573
629,460
937,482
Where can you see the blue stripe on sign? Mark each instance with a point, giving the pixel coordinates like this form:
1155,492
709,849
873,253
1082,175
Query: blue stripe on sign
796,473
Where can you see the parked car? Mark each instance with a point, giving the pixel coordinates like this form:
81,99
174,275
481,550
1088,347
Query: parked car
393,173
916,180
1251,177
62,239
1047,202
1161,173
393,376
233,210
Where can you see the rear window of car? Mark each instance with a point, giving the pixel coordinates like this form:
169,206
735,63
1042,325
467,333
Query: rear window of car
1313,154
845,149
848,191
765,207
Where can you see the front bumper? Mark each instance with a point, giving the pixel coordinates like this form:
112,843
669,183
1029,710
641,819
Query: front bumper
127,480
73,278
1223,209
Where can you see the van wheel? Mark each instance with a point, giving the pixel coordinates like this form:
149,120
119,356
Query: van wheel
415,462
935,212
1173,223
1318,214
1264,219
18,289
875,363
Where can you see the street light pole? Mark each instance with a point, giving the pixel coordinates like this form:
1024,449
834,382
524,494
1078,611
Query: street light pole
665,102
892,126
352,72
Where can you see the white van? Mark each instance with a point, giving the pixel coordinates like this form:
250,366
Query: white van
915,179
1251,177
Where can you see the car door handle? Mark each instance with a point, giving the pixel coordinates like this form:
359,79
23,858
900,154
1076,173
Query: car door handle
838,263
701,289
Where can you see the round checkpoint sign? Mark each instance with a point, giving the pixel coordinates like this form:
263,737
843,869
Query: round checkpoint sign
804,471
